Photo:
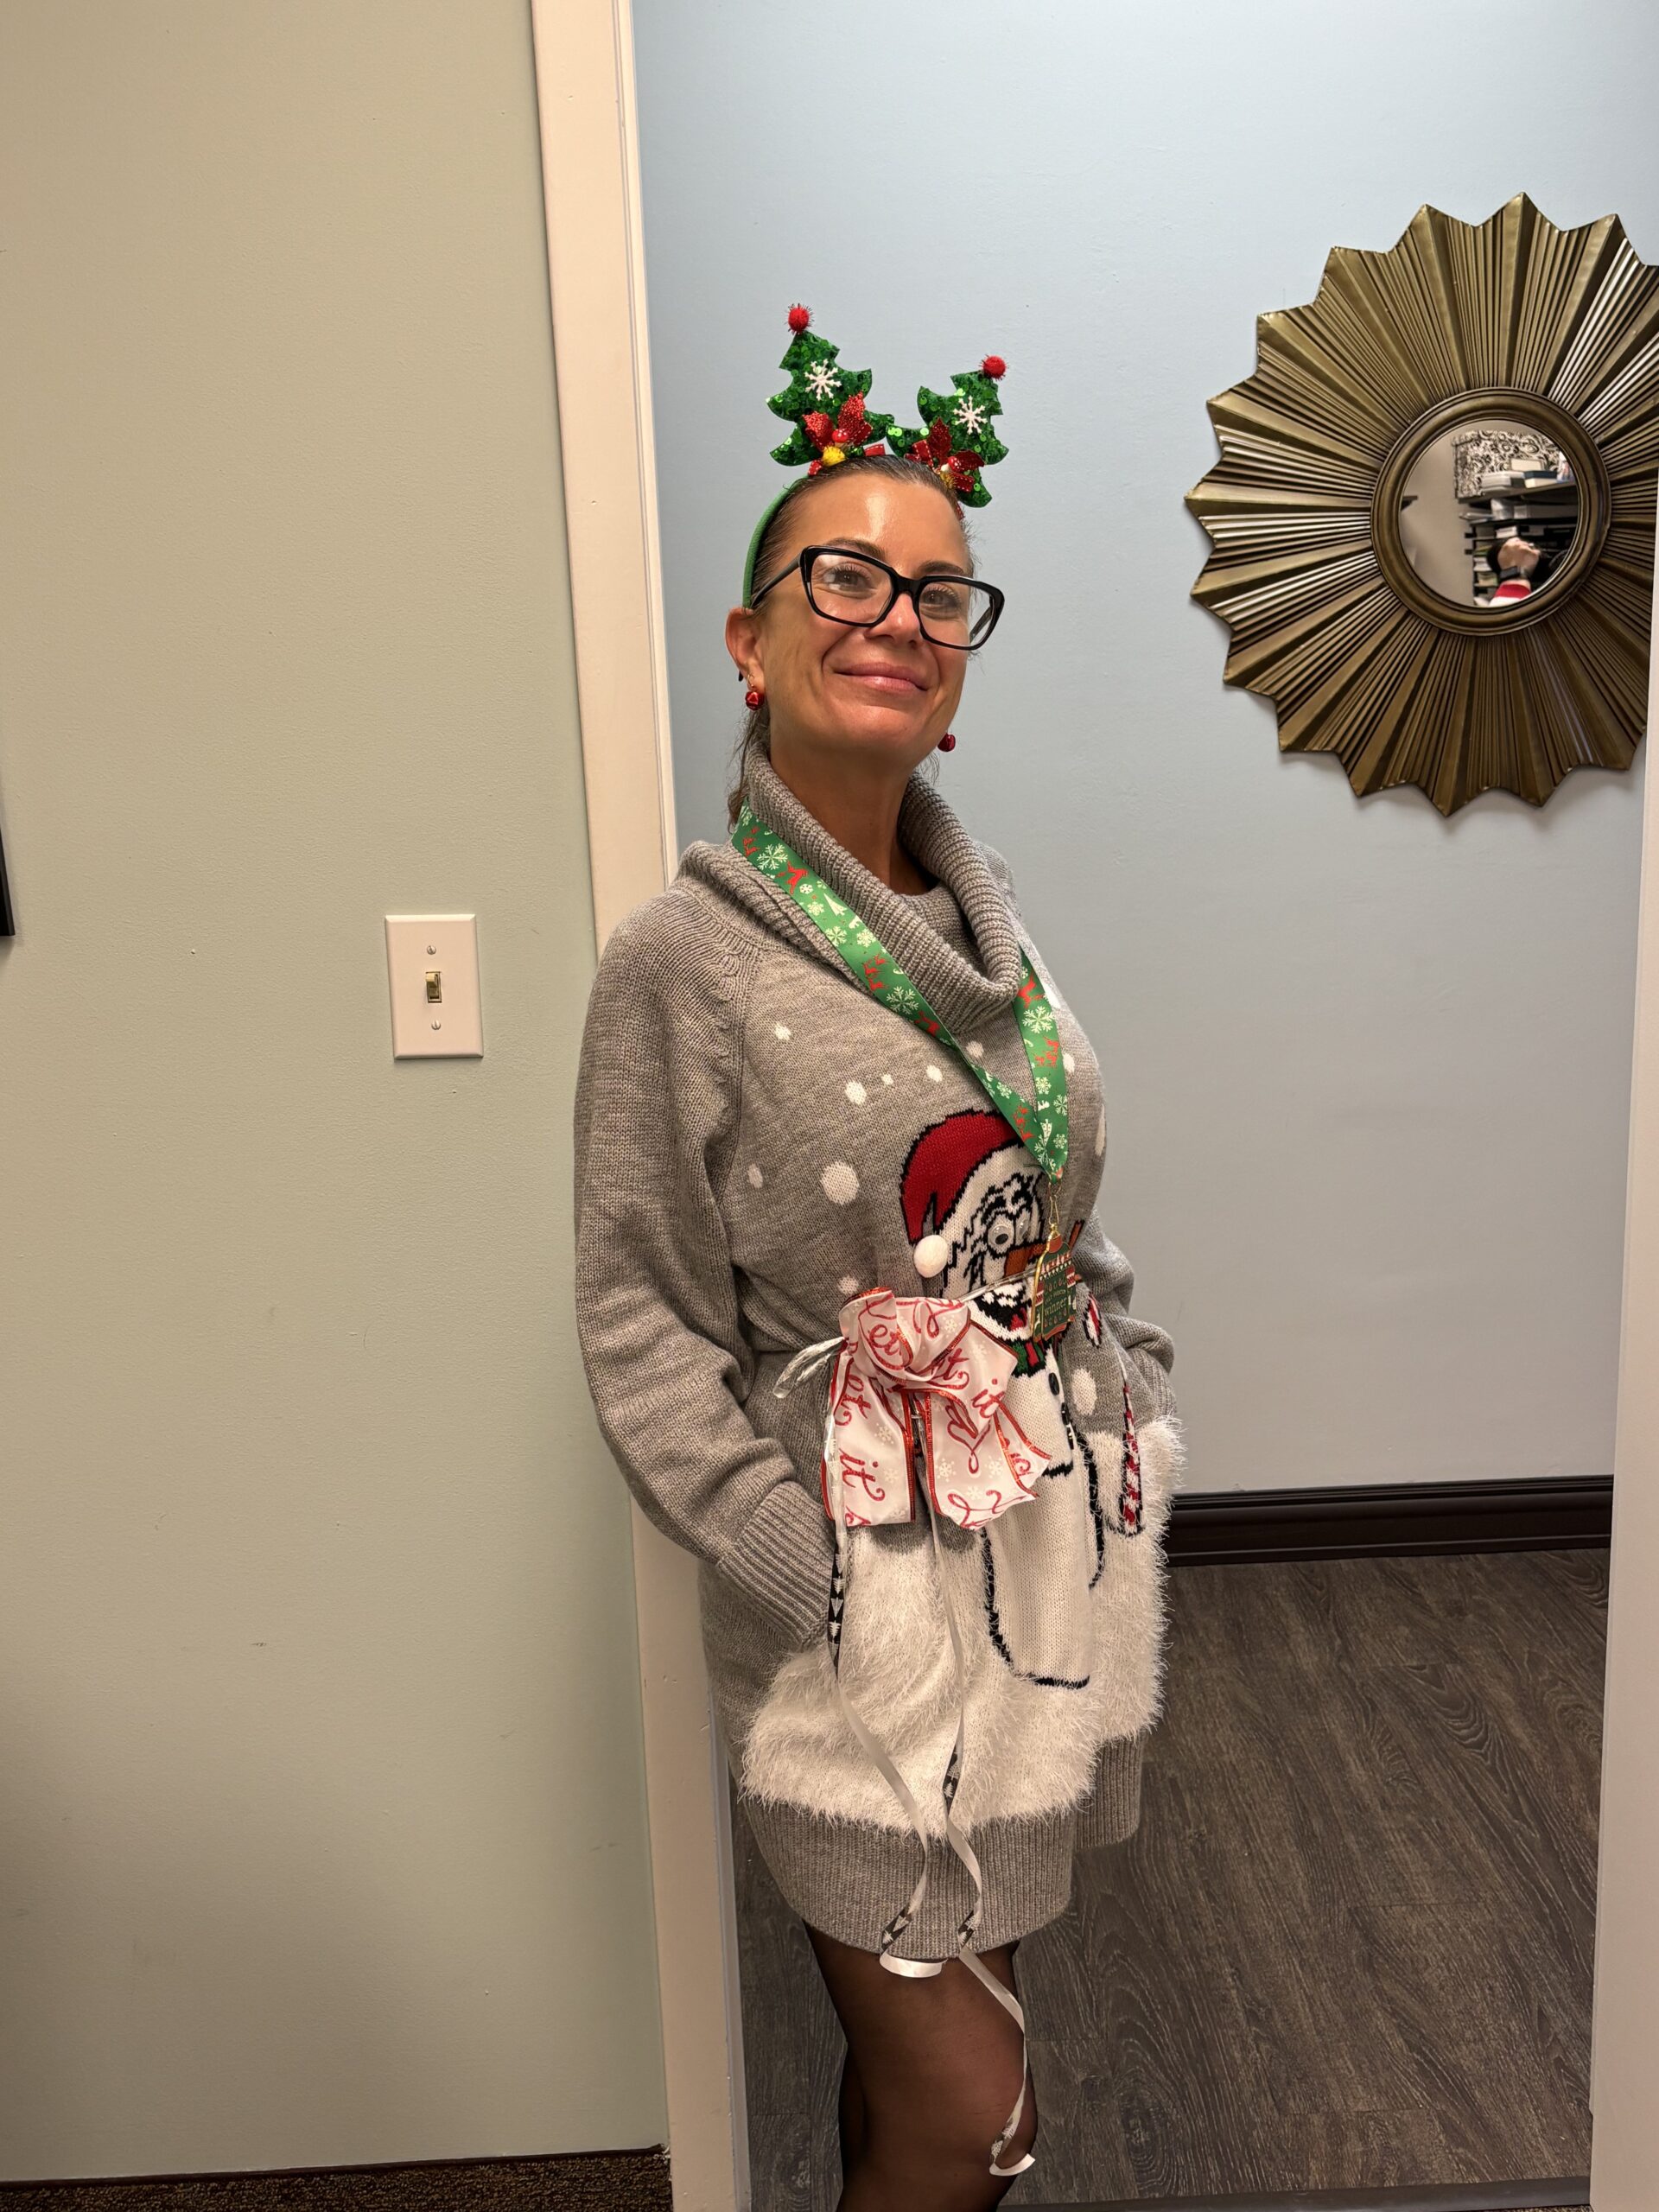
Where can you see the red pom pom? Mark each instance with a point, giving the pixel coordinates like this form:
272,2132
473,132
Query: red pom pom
994,366
799,317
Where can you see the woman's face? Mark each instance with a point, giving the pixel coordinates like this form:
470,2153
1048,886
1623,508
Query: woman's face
831,686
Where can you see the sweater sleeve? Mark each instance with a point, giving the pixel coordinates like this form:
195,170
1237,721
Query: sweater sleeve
1147,1352
657,1309
1147,1349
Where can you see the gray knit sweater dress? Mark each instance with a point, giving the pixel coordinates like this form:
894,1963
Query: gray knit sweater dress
758,1142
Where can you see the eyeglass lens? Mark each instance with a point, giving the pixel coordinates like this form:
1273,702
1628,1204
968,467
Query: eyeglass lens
951,610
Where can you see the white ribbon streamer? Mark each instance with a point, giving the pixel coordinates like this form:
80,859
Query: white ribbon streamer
805,1363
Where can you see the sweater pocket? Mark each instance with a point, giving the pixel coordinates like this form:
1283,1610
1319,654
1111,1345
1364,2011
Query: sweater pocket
795,1422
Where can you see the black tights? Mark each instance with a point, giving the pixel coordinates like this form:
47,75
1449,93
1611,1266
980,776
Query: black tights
931,2074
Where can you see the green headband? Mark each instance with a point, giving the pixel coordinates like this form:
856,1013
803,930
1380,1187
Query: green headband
760,530
957,443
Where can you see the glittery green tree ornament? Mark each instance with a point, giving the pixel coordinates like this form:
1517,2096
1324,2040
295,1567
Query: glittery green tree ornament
956,440
824,402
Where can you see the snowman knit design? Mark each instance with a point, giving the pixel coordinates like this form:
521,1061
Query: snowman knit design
973,1206
758,1142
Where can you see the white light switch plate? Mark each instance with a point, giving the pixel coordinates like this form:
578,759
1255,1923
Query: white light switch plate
450,1025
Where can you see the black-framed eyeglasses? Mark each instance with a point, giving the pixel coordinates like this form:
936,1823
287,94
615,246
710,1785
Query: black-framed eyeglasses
959,612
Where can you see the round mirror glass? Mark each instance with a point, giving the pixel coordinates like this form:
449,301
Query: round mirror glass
1488,512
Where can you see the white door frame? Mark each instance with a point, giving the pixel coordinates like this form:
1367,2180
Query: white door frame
590,173
585,91
1625,2154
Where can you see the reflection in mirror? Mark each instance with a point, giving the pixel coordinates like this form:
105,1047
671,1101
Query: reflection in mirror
1489,513
1505,345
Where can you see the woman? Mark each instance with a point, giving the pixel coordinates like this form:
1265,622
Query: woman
773,1160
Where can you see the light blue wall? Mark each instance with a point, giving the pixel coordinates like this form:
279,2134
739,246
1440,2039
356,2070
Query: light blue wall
1368,1070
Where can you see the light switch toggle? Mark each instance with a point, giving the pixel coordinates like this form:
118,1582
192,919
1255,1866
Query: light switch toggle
432,968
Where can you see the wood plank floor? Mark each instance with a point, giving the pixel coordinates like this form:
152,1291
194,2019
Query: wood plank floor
1351,1944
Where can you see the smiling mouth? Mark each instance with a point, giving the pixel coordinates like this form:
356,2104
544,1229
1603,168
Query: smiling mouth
885,679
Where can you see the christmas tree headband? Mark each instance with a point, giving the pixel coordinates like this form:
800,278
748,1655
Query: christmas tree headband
825,403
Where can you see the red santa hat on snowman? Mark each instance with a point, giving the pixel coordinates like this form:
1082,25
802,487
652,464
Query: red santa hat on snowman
972,1202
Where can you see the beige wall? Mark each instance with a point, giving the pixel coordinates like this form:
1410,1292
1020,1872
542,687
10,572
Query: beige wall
323,1832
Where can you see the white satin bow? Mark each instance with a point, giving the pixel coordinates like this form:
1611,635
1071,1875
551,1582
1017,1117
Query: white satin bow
921,1369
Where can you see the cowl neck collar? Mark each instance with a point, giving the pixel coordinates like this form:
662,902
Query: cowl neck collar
960,993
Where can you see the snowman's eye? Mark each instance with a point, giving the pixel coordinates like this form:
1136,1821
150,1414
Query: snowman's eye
1000,1234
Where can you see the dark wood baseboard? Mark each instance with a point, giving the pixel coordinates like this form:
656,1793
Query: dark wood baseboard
1574,2191
480,2181
1340,1521
575,2181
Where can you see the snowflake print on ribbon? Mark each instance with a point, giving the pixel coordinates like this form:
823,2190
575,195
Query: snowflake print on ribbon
883,978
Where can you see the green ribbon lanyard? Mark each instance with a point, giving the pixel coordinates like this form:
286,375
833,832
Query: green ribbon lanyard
1040,1122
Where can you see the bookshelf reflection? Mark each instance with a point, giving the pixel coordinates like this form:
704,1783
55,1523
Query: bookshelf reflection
1489,513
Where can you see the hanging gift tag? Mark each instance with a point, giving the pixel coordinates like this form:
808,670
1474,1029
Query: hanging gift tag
1052,1279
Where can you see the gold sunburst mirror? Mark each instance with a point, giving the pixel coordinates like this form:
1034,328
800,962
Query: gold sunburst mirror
1432,521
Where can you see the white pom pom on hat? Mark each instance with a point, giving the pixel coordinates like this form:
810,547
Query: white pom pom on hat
931,1256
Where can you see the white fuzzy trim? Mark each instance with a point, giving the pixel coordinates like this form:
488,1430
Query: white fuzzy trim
1030,1750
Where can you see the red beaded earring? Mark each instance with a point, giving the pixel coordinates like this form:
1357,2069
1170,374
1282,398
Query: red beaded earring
948,743
752,698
